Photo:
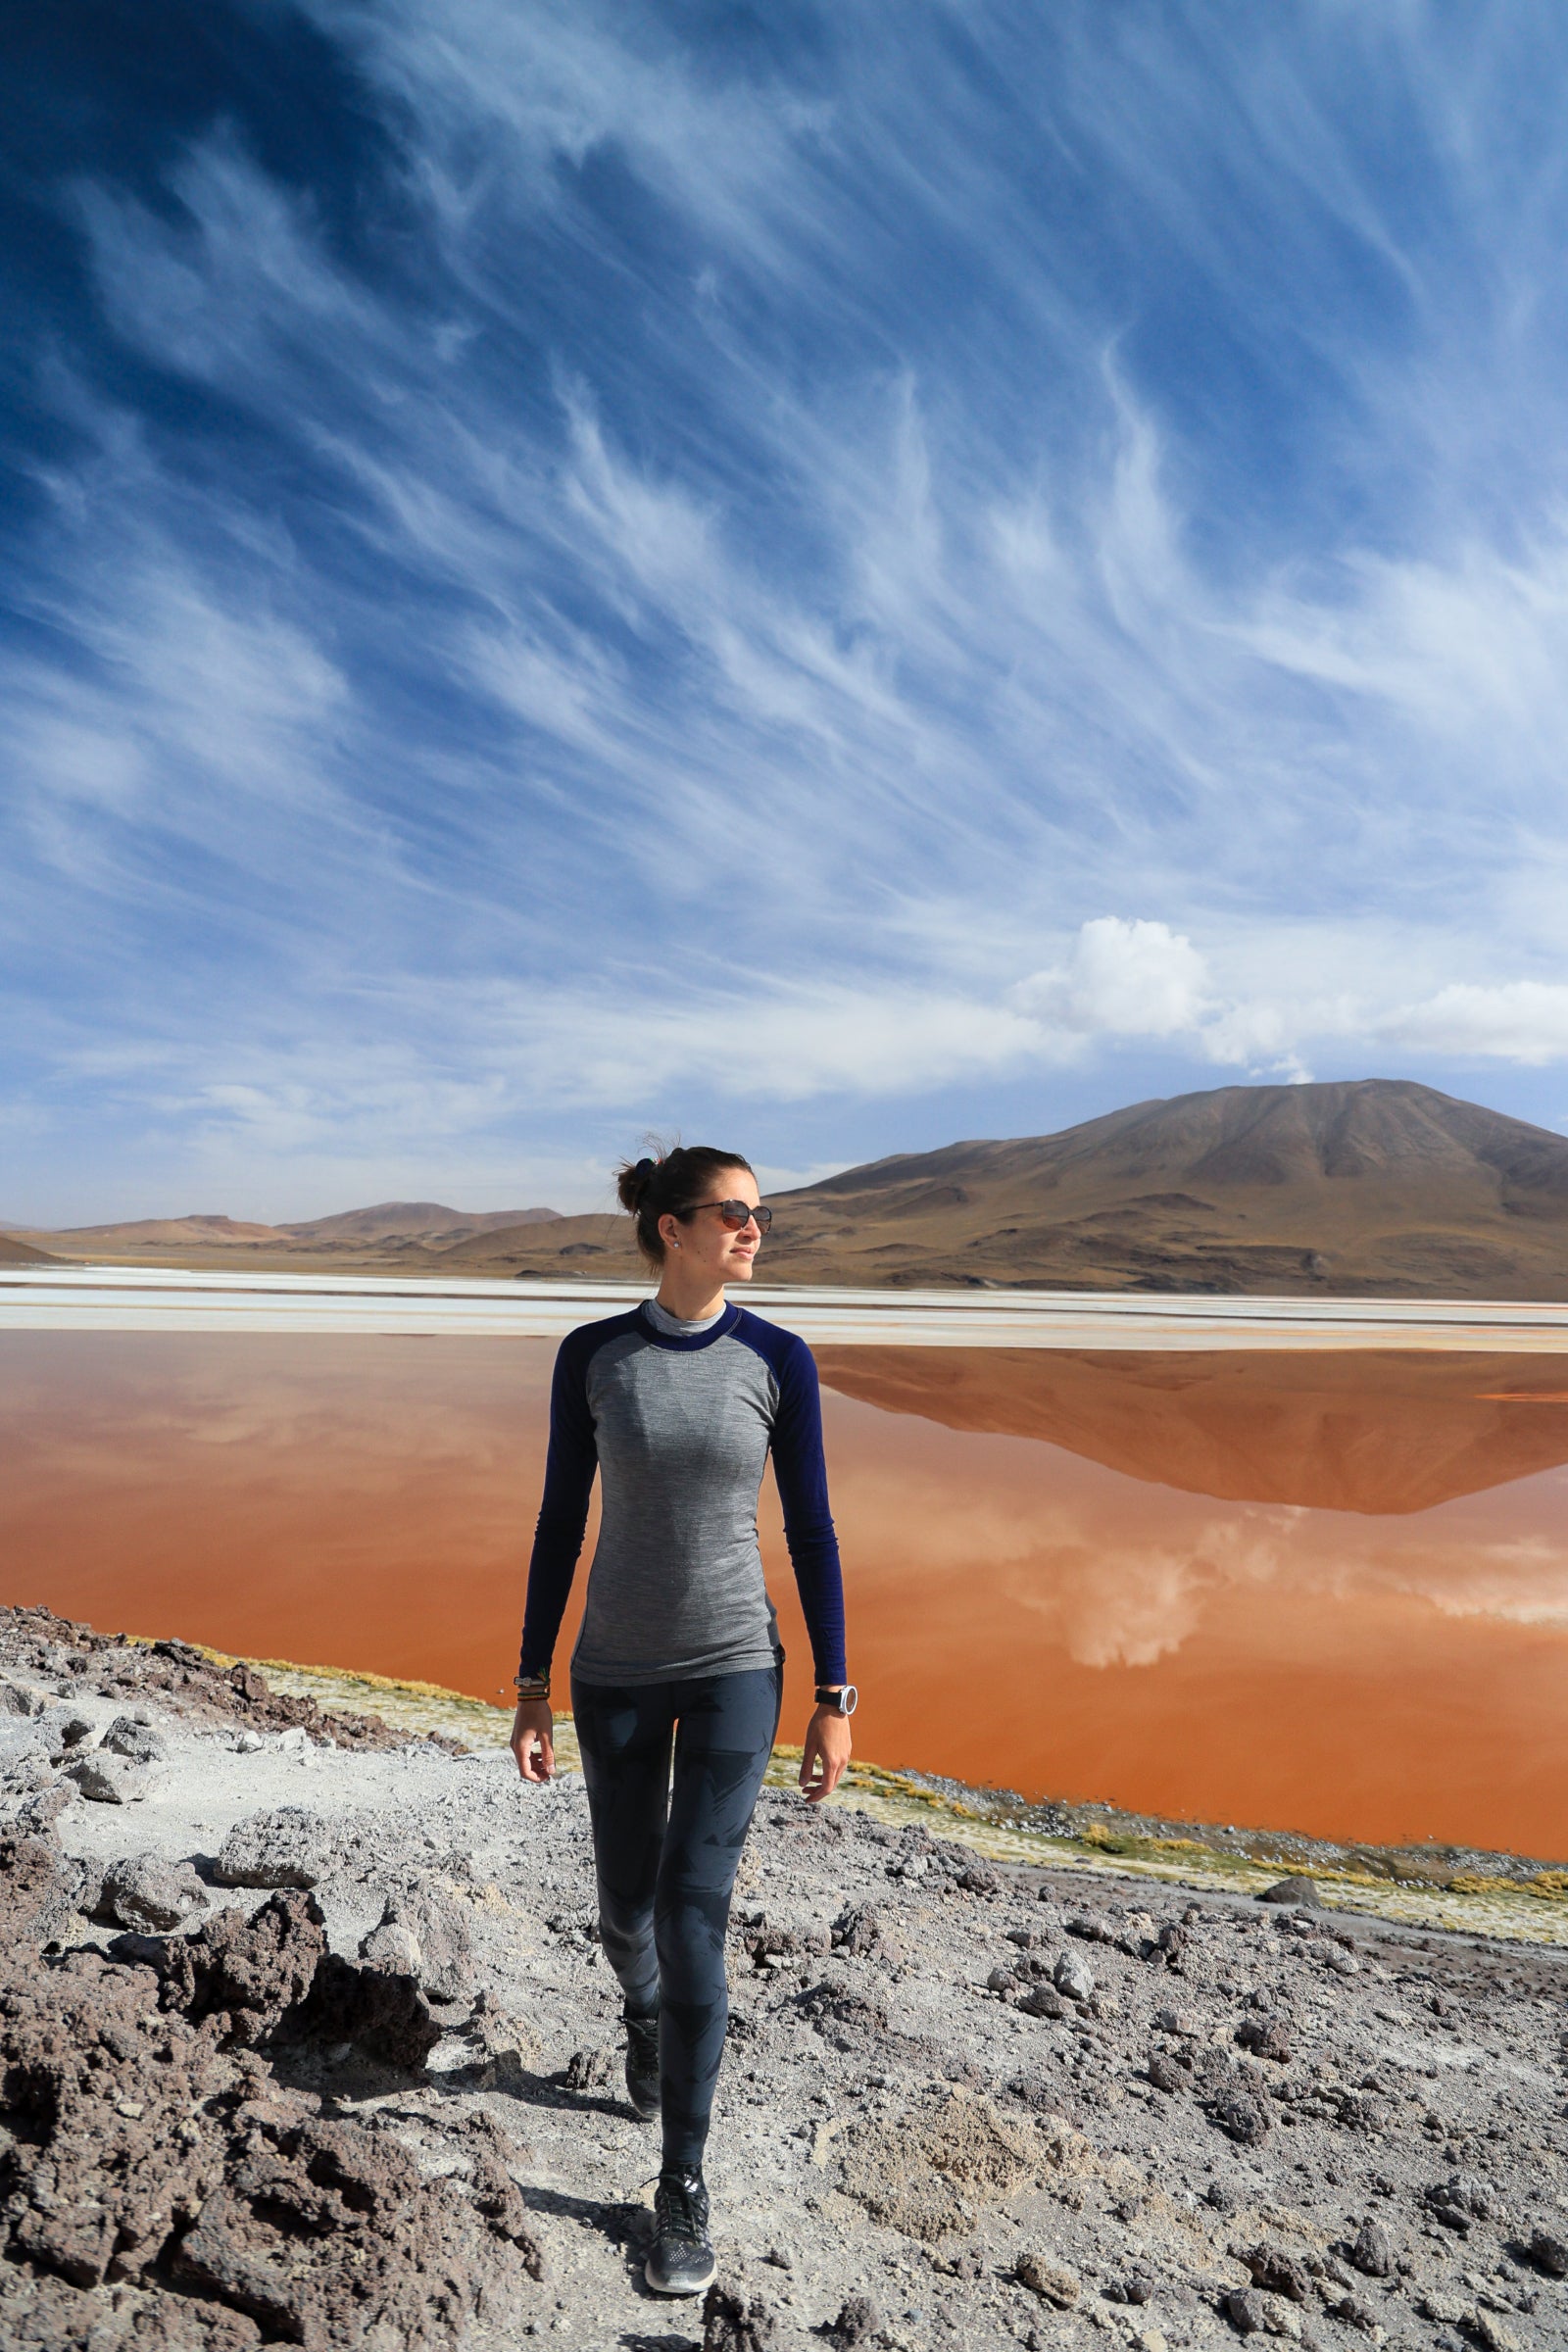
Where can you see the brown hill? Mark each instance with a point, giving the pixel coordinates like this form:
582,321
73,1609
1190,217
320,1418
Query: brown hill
1366,1188
161,1233
1377,1433
22,1253
395,1233
1372,1186
422,1221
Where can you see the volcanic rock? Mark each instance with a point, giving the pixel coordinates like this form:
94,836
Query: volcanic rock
287,1847
1241,2119
125,1737
1277,2273
41,1892
107,1780
1266,2037
731,2325
1373,2250
1549,2253
1301,1892
143,1892
422,1933
1073,1976
1048,2279
857,1931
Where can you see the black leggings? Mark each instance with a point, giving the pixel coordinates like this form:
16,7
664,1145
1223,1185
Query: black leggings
666,1859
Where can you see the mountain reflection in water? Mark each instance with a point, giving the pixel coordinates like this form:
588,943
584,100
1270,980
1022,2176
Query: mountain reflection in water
1326,1593
1370,1432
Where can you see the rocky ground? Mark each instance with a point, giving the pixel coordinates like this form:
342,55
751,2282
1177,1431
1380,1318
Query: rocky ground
306,2040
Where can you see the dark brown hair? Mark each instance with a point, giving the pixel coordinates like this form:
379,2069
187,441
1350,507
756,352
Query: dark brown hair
653,1188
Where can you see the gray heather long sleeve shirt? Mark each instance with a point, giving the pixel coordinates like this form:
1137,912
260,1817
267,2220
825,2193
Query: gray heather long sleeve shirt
679,1427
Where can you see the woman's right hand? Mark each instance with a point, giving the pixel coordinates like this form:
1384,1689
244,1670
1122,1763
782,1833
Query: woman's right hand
532,1739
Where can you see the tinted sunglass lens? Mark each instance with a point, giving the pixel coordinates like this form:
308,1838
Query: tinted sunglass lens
737,1214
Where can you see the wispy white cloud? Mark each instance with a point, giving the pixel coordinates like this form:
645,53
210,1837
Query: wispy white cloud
872,562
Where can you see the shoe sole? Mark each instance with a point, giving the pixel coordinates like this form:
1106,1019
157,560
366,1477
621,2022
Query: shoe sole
692,2286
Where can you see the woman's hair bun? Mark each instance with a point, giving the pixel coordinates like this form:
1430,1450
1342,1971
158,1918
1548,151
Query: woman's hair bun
632,1183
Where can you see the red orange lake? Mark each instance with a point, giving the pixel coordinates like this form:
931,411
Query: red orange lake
1325,1593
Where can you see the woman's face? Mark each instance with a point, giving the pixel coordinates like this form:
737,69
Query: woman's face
704,1243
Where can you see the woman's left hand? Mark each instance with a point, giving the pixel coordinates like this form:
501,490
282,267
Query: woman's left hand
826,1754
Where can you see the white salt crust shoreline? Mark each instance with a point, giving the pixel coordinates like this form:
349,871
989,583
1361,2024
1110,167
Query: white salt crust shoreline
159,1299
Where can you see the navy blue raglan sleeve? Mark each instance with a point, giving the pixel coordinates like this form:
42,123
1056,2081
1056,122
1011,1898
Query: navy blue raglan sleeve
802,1475
569,1467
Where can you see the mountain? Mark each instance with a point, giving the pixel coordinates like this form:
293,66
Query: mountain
22,1253
422,1221
416,1233
1372,1186
1364,1188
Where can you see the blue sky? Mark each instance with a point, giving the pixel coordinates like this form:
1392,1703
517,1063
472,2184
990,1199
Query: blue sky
826,578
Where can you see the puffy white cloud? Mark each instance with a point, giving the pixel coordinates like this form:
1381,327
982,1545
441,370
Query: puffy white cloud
1122,979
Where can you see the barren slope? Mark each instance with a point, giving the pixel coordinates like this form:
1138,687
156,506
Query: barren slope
1376,1187
1369,1188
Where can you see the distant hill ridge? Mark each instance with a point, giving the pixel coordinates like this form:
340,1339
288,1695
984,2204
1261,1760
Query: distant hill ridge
392,1225
1364,1186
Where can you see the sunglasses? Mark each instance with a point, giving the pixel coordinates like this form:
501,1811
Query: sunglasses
737,1214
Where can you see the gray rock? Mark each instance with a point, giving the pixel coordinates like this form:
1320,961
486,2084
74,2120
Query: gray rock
107,1780
589,2070
18,1701
1354,2314
858,1932
1277,2273
1549,2253
74,1731
1073,1976
125,1737
1461,2200
1048,2279
422,1933
149,1896
39,1813
1341,1962
857,2321
1373,2250
288,1847
1295,1890
1246,2311
1242,2119
730,2324
1266,2037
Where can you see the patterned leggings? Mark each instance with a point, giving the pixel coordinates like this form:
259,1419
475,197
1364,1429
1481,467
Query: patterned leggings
667,1858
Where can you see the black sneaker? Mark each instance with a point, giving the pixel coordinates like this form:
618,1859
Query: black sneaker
642,2064
682,2260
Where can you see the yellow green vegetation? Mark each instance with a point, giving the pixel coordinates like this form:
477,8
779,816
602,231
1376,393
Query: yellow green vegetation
1410,1887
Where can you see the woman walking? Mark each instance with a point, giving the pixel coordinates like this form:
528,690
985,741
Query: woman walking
678,1405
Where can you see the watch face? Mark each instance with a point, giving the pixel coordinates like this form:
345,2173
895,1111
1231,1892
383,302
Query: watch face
849,1699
